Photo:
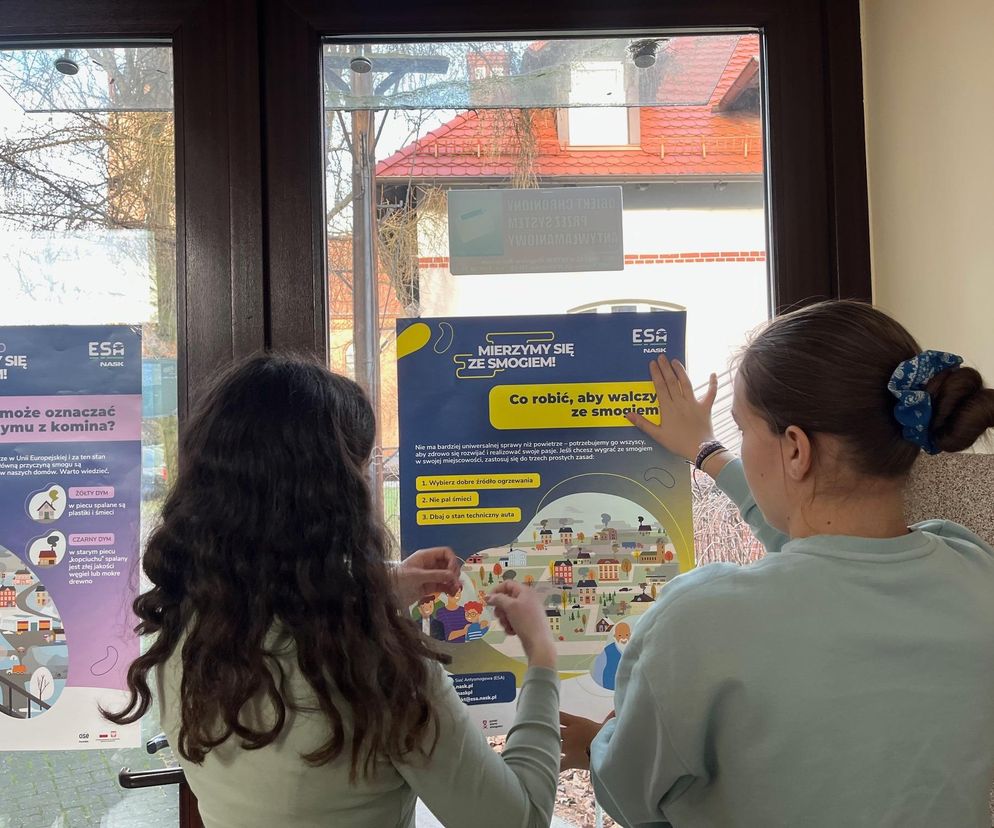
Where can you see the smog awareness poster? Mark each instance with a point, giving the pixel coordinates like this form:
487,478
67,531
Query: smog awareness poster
70,471
515,451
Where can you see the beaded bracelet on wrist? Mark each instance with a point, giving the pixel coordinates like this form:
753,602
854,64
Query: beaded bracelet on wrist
706,450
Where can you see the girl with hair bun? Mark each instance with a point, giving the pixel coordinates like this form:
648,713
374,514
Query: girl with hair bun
847,679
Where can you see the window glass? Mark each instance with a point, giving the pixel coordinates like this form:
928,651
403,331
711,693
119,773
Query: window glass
431,118
88,237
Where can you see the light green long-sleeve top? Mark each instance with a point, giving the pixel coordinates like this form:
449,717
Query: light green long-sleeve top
838,682
464,783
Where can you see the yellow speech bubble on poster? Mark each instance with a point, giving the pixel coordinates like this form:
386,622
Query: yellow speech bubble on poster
457,482
412,339
571,405
449,517
442,500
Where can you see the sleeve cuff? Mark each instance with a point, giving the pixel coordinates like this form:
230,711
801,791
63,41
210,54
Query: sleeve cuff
731,480
545,674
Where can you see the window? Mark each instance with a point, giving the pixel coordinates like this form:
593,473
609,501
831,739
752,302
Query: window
228,241
602,125
693,213
87,237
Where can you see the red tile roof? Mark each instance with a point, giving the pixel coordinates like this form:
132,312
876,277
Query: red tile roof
675,140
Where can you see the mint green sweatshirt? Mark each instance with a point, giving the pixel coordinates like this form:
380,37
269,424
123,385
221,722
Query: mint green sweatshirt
839,682
464,782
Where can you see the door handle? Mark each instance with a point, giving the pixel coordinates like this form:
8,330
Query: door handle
154,778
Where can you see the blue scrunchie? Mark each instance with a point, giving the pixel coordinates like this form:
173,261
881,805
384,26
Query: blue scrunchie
914,405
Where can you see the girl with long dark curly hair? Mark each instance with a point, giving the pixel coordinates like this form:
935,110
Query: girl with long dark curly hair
292,682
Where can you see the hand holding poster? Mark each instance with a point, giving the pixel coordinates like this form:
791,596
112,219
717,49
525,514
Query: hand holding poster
515,451
70,464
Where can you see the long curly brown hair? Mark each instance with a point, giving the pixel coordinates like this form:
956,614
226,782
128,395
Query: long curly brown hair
270,524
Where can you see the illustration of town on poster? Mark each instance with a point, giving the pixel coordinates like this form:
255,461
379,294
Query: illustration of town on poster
70,468
515,451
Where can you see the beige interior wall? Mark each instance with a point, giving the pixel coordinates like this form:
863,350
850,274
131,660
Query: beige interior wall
928,69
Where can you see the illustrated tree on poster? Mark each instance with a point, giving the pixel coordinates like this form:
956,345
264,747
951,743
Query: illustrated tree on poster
42,684
626,565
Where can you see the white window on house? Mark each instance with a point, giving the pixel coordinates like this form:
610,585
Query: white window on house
603,125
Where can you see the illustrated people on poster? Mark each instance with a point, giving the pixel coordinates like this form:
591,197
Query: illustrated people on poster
476,627
427,622
606,666
453,618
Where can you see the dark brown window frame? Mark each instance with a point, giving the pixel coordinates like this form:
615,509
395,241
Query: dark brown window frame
819,241
219,246
219,251
250,236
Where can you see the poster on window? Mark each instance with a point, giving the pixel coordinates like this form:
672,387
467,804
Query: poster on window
70,507
516,452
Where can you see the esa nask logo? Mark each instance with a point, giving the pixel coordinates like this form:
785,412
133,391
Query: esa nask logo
649,336
109,354
104,350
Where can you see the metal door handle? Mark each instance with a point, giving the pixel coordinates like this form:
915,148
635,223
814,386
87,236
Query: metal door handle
150,778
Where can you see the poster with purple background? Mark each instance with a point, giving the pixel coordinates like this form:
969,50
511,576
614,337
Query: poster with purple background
70,515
